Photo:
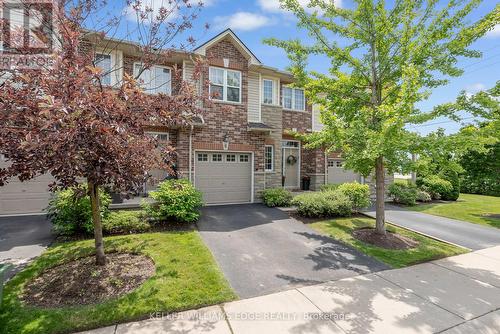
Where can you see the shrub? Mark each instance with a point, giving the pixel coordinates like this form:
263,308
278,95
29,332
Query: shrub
436,186
423,196
70,211
359,194
329,187
276,197
323,204
403,193
177,200
452,177
125,222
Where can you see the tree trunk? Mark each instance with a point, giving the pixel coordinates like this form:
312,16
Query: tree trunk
380,196
100,258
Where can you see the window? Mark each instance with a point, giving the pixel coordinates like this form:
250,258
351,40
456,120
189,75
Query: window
216,157
268,91
104,62
294,98
225,85
154,80
161,137
290,143
202,157
335,163
269,158
231,158
244,158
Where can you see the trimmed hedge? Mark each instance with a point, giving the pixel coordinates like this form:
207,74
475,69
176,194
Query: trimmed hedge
70,211
276,197
125,222
176,200
436,186
323,204
402,193
359,194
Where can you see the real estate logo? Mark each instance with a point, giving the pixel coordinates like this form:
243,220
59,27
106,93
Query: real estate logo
27,34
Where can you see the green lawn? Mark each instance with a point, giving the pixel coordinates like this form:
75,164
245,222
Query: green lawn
428,249
476,209
186,277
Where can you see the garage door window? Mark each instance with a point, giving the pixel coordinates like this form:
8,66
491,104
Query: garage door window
231,158
217,157
335,163
244,158
202,157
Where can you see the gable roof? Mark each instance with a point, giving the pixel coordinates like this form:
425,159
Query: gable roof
228,33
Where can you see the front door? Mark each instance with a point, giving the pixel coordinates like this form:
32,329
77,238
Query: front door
291,163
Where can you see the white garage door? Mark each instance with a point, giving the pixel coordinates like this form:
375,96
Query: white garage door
337,174
24,197
224,177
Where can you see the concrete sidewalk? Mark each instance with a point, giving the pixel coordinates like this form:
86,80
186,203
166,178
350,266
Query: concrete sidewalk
456,295
465,234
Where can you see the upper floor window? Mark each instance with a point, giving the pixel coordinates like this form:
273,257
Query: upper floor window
104,62
154,80
268,91
294,98
225,85
111,65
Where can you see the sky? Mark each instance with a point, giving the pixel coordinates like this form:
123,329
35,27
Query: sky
255,20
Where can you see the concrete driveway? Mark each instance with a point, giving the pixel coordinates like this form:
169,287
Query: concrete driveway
23,238
472,236
262,250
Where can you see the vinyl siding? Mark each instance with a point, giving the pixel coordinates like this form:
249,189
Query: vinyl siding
254,97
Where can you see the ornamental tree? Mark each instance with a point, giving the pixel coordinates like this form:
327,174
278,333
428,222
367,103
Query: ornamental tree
64,121
382,61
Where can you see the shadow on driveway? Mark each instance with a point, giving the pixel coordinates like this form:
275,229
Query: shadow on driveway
262,250
22,238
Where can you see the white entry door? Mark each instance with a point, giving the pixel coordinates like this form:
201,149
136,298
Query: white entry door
291,163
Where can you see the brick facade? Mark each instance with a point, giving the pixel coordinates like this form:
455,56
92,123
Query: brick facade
231,120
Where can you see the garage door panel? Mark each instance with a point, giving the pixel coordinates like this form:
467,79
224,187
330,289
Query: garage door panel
224,182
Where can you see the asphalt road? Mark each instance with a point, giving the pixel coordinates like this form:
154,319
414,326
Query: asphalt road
462,233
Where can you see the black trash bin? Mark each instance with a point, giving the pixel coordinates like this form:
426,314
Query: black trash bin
306,183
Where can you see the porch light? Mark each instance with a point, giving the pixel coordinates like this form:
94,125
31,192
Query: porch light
225,142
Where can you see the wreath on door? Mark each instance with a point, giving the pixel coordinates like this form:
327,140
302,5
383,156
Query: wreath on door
291,160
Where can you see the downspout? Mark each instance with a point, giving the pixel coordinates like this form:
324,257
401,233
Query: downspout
326,168
190,153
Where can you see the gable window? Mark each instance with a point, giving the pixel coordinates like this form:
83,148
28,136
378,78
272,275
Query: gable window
269,158
268,91
154,80
294,98
225,85
104,62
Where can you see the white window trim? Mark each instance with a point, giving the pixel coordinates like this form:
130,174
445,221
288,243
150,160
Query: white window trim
154,133
272,158
294,107
274,92
159,66
116,65
225,85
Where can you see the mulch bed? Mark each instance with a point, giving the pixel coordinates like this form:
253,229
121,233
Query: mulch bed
389,241
306,220
82,282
